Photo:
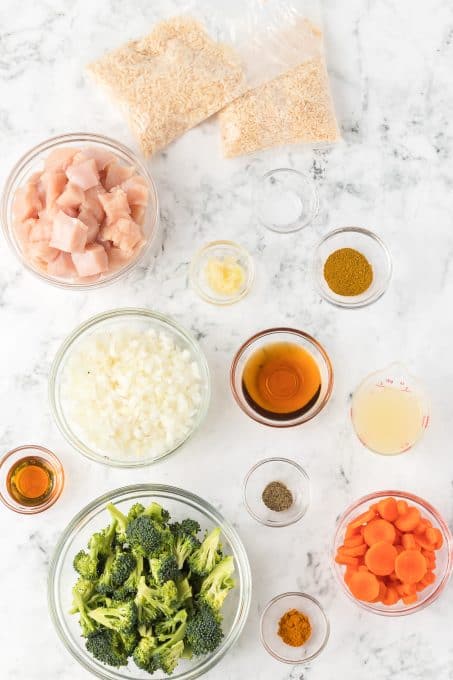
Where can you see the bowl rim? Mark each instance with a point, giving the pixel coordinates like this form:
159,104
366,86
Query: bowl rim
59,479
364,302
186,497
250,271
295,225
92,322
287,461
448,541
302,596
47,145
281,423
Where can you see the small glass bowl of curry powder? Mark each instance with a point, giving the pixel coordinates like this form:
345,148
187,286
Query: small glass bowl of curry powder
294,628
352,267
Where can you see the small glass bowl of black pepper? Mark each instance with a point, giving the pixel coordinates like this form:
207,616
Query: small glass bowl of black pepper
277,492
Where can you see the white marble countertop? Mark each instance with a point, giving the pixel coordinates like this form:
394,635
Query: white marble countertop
390,63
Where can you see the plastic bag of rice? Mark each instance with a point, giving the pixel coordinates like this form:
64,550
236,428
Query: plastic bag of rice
295,107
191,66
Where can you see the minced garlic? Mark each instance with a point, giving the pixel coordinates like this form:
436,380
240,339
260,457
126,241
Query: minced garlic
225,276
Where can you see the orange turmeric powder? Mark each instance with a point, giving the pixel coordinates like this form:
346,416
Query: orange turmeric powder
294,628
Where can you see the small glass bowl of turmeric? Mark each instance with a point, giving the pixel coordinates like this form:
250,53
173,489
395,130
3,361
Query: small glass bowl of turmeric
294,628
222,272
352,267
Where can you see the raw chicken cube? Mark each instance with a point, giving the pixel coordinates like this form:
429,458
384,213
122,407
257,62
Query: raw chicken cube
41,252
84,174
92,261
89,218
118,258
115,204
68,233
116,174
138,214
123,233
62,266
136,189
22,230
53,184
41,231
59,159
71,197
27,202
101,156
93,203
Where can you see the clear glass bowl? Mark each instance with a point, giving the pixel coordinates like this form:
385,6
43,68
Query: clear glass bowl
443,556
285,200
294,336
271,616
375,251
32,162
12,458
142,319
289,473
221,250
93,517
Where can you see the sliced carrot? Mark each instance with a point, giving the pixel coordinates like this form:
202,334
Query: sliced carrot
400,589
349,572
387,509
428,578
364,518
409,521
380,558
423,542
354,552
409,588
402,507
420,586
410,566
379,530
346,559
391,596
410,599
382,592
423,525
364,586
351,531
353,541
435,536
409,542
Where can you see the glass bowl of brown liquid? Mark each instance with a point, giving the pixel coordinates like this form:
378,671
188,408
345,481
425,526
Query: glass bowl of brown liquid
31,479
281,377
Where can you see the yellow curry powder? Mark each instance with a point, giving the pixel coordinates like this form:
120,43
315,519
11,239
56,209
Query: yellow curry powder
347,272
294,628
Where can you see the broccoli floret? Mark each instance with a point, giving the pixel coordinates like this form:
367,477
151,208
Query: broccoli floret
167,654
167,657
143,653
135,511
164,568
106,646
157,513
104,584
185,540
83,589
146,537
79,604
130,641
129,588
121,522
166,629
122,617
216,586
204,631
155,602
184,590
86,566
204,559
89,564
123,565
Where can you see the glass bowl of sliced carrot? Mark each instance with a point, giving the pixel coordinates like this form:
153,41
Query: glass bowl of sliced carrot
392,553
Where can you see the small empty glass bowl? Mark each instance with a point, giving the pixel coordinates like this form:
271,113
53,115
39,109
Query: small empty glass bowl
282,335
289,473
444,556
13,458
226,252
270,619
285,200
375,251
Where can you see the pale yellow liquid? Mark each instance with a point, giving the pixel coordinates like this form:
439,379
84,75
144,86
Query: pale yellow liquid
386,419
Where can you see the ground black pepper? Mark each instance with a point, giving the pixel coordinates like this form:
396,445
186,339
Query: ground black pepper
277,497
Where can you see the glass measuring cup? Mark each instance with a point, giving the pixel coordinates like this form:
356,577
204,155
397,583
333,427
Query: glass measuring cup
390,410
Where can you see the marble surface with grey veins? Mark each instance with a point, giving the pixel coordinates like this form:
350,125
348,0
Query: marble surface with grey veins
391,71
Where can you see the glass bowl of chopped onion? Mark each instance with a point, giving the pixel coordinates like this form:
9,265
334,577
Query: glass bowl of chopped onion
80,211
94,517
128,387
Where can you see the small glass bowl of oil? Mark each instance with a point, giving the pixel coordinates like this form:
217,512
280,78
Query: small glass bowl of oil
31,479
281,377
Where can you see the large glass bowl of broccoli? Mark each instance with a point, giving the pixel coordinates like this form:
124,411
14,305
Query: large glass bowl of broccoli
149,581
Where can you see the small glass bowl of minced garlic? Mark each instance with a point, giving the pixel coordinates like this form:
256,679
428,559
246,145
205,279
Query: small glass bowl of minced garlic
352,267
222,272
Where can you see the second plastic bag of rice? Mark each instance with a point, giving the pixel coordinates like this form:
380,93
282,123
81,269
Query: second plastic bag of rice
171,80
295,107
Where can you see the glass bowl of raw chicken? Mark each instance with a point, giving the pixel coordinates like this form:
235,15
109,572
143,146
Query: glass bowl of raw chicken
80,210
